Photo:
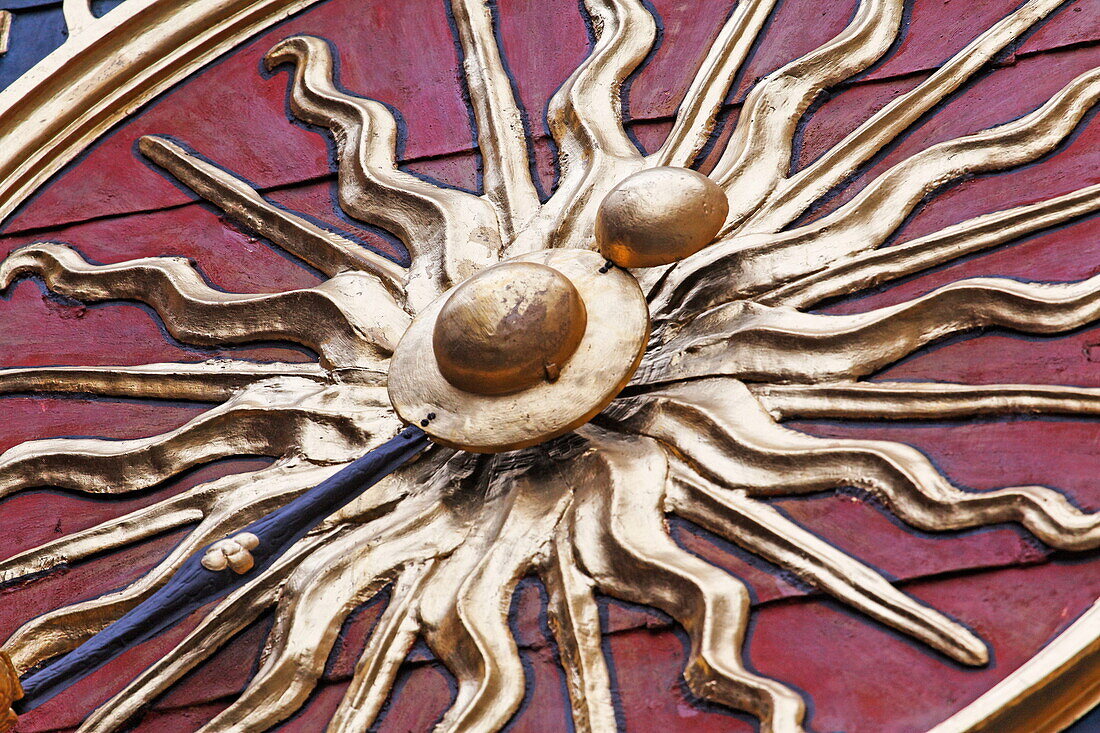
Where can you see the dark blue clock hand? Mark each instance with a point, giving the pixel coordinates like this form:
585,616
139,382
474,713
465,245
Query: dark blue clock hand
193,585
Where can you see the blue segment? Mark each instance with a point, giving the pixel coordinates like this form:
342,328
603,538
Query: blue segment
193,586
35,32
37,28
99,7
26,4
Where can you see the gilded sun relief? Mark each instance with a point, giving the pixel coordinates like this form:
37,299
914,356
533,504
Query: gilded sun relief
718,344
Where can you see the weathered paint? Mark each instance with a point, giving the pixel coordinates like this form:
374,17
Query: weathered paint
859,675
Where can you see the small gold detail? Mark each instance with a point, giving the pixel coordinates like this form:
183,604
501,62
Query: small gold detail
10,691
5,30
736,348
660,216
508,328
602,363
234,553
552,371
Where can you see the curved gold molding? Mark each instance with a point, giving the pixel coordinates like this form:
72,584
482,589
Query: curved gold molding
1050,692
736,348
107,69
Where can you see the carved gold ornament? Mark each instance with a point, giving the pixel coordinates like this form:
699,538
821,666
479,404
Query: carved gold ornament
733,349
10,691
560,394
659,216
234,553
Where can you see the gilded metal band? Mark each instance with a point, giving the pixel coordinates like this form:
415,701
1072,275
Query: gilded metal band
735,349
1047,694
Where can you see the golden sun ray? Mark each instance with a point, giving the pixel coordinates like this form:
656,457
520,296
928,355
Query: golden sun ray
734,351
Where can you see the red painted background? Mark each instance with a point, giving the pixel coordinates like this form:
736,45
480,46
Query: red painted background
858,675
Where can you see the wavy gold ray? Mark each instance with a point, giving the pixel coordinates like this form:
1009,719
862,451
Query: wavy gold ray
268,419
760,343
474,640
815,180
746,265
696,117
758,155
481,652
765,532
585,115
870,269
726,436
622,541
391,640
500,130
450,234
585,118
454,533
194,312
574,618
880,208
129,529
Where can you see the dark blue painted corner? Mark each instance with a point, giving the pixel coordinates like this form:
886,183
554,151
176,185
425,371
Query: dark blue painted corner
99,7
37,28
35,32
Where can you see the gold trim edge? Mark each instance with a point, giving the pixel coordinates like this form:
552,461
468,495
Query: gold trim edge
114,65
1050,692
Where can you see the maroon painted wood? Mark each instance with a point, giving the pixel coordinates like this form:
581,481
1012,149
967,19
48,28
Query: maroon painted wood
859,675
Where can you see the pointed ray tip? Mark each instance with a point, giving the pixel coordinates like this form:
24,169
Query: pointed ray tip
290,50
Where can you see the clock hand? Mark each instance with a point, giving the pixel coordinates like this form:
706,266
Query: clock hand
195,584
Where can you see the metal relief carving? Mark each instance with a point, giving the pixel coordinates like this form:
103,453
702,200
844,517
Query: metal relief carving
734,349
